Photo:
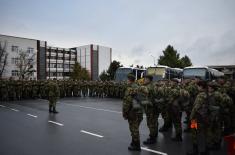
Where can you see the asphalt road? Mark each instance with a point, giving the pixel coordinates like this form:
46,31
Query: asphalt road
84,126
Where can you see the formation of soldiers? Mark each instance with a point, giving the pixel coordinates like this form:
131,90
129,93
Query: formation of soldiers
11,90
209,107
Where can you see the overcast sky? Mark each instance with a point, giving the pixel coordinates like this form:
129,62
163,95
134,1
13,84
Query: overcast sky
135,29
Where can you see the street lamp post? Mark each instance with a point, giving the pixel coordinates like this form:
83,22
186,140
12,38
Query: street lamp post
154,58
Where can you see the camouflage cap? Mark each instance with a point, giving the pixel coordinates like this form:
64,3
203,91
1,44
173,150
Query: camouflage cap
131,77
202,83
213,84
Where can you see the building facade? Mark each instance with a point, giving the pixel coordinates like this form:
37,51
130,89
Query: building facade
94,58
14,46
54,62
60,62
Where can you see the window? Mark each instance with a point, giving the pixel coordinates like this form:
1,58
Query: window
59,65
66,66
30,61
14,48
53,74
14,60
30,50
60,74
52,65
14,73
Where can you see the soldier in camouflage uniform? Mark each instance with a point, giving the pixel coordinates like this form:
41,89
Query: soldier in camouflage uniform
205,113
192,88
164,105
132,112
53,95
11,89
4,90
150,109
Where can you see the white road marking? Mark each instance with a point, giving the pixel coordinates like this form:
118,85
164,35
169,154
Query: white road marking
153,151
106,110
95,108
2,106
16,110
93,134
56,123
32,115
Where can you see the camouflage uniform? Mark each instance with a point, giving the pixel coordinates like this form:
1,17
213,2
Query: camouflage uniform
53,95
151,112
134,114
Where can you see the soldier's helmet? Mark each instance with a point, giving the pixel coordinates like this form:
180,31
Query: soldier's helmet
202,84
131,77
213,85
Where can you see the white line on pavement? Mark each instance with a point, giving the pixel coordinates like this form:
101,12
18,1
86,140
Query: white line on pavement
153,151
95,108
56,123
2,106
89,133
14,109
32,115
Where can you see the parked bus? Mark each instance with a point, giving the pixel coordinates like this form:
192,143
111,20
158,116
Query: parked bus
160,72
204,73
122,72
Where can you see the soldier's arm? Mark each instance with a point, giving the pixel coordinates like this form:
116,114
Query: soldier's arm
197,105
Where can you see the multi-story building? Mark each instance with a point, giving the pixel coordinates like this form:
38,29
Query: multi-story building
55,62
94,58
15,45
60,62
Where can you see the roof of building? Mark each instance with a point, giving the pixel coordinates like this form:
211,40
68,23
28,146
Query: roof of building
17,37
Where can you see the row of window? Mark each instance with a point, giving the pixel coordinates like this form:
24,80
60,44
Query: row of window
16,49
15,61
61,58
58,74
54,65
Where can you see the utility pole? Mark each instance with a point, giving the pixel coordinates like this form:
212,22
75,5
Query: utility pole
154,58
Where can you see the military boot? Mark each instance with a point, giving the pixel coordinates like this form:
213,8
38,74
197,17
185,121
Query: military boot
135,146
150,140
177,138
50,109
194,150
54,111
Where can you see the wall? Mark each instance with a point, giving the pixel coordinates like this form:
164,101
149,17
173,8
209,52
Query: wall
23,44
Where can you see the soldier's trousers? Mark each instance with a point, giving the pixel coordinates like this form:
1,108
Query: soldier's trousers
52,102
176,115
152,121
166,117
134,121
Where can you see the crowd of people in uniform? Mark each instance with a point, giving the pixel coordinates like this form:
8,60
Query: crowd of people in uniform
11,90
209,106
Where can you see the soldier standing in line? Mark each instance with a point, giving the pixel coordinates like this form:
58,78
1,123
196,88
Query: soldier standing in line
165,106
132,112
53,95
151,111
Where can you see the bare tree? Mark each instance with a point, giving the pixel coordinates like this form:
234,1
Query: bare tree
3,57
25,64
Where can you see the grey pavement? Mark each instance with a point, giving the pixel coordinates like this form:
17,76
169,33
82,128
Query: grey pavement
84,126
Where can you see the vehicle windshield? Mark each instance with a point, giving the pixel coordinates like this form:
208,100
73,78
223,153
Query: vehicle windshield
121,74
157,73
194,72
